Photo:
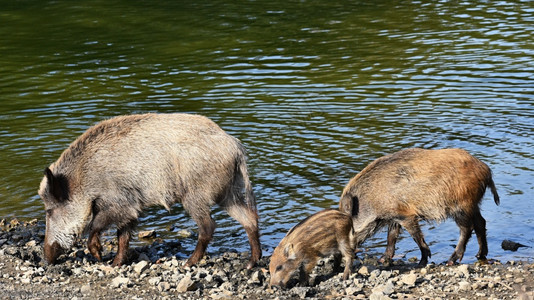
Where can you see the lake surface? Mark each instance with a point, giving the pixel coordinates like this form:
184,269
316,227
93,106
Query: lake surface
315,90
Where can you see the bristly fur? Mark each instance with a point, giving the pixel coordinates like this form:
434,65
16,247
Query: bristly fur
416,184
122,165
322,234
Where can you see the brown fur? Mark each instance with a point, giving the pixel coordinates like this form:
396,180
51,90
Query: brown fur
413,184
322,234
120,166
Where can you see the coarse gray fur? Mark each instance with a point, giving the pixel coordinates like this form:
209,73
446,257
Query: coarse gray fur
125,164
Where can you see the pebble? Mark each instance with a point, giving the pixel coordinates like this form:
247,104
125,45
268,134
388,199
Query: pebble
463,270
147,234
363,271
140,267
386,289
164,286
120,281
184,233
154,280
186,284
464,286
159,273
409,279
85,289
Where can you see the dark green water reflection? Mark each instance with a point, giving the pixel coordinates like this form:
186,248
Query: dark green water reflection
314,89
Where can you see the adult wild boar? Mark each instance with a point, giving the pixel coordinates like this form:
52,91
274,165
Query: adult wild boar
322,234
120,166
416,184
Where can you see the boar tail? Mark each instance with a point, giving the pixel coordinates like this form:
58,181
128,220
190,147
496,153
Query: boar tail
250,200
491,185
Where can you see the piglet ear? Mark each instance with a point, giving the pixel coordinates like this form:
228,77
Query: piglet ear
57,185
289,252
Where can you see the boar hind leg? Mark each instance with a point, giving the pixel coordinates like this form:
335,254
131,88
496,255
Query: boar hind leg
249,219
393,234
206,228
412,226
480,230
466,229
121,258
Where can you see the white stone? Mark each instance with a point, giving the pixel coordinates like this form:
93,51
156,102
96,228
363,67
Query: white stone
141,266
186,284
120,280
464,286
363,271
409,279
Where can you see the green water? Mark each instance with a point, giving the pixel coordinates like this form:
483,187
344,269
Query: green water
314,89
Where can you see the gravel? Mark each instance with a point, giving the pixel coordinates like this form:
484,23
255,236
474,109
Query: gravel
156,272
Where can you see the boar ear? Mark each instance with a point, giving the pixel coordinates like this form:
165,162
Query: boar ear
289,252
57,185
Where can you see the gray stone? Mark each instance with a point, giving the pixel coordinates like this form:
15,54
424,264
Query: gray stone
300,291
147,234
463,270
154,280
164,286
120,281
184,233
85,289
385,289
256,278
140,267
143,256
363,271
378,296
409,279
464,286
352,290
186,284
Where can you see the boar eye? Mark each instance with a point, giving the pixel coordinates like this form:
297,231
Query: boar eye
49,212
279,268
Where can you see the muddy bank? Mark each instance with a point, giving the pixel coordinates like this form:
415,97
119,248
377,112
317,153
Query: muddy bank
157,273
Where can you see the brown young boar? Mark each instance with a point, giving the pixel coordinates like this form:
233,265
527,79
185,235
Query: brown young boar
416,184
322,234
122,165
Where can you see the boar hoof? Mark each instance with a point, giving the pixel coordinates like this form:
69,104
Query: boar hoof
423,262
386,261
251,264
119,261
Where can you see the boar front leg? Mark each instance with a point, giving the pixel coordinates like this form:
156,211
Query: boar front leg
94,245
99,222
121,258
393,234
412,226
305,270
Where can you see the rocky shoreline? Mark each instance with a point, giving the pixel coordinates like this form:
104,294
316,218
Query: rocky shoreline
157,273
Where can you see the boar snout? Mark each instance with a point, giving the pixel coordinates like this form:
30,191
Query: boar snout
52,252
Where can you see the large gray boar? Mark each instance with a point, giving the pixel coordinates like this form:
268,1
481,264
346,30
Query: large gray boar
416,184
120,166
321,234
